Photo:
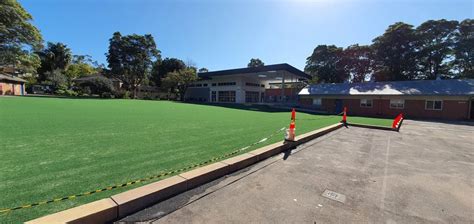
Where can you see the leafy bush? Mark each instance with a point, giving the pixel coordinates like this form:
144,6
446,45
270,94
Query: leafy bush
97,85
8,92
106,95
126,95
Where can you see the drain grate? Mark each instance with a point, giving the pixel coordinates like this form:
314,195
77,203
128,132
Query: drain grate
334,196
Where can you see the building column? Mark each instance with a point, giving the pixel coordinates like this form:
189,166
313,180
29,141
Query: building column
282,88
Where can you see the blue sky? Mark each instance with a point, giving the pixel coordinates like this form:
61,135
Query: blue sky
224,34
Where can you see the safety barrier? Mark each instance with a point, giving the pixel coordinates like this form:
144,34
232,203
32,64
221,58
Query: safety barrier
163,174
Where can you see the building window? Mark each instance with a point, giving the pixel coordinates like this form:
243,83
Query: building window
227,96
205,84
251,97
213,96
226,84
434,105
317,102
365,103
214,84
252,84
397,103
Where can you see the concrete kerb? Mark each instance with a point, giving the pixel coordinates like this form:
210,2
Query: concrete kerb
371,127
128,202
101,211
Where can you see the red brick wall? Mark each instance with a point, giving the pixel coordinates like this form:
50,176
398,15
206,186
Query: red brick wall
452,109
306,102
277,92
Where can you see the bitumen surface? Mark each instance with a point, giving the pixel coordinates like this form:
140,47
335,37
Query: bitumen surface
422,174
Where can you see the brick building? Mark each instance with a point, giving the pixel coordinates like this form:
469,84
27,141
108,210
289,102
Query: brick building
11,85
424,99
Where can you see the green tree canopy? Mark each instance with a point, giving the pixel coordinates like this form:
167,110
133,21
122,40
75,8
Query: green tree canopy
203,70
435,42
56,56
131,58
82,65
16,33
180,80
395,53
357,62
325,64
255,62
464,49
162,68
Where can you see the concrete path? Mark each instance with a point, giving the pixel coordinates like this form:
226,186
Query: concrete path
424,174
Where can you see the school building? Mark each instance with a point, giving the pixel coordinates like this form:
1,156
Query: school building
279,84
424,99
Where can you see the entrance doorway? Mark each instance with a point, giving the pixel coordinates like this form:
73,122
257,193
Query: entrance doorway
338,106
472,110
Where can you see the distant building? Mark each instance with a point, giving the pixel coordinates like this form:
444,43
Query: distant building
11,85
279,84
425,99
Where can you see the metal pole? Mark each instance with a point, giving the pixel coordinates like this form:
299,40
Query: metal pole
283,87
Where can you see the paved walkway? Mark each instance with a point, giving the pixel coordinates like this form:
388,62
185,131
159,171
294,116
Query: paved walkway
424,174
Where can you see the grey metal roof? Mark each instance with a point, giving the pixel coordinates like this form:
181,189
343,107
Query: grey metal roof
266,68
4,77
452,87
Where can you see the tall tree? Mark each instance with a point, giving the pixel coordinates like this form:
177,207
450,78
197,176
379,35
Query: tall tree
255,62
325,64
201,70
357,62
435,41
464,49
131,58
56,56
394,53
82,65
180,80
162,68
17,34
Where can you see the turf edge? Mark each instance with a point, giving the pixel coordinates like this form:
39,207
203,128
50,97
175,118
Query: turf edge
128,202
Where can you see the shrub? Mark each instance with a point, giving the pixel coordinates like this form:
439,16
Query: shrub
126,95
147,96
106,95
97,85
8,92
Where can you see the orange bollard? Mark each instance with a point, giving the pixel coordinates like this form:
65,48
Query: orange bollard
344,116
293,115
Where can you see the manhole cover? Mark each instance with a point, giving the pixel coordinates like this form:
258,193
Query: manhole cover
334,196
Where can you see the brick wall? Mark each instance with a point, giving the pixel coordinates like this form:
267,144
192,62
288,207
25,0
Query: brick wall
452,109
15,89
414,108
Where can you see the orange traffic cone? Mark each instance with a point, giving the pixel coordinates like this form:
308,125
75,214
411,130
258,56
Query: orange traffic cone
290,133
344,116
293,114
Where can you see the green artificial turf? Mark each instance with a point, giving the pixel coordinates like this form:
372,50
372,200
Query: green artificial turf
370,121
52,147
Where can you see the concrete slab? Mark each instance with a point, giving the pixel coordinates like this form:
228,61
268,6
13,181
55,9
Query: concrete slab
139,198
240,161
269,150
423,174
205,174
101,211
